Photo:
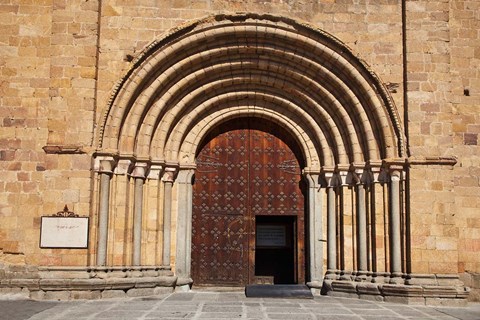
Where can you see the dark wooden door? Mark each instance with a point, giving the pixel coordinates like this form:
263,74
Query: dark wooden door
245,169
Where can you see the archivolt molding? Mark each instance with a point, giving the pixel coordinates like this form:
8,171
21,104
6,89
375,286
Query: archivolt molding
250,65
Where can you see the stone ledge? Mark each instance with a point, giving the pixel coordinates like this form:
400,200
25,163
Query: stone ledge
445,290
68,283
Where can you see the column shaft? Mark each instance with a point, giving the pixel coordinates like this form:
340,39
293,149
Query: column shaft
167,211
395,239
103,218
137,221
331,231
362,228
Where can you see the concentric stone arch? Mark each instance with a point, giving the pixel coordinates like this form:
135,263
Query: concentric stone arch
251,65
225,67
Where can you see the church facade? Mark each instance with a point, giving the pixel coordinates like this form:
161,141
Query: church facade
149,146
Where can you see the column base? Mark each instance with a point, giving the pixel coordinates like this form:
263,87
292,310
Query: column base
437,289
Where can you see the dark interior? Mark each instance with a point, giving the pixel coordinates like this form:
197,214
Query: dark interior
275,248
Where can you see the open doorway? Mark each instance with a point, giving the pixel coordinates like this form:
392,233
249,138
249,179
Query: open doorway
275,249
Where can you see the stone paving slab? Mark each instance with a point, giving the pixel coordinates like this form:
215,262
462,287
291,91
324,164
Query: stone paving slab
214,305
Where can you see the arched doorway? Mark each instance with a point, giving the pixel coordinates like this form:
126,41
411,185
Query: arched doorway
248,206
218,69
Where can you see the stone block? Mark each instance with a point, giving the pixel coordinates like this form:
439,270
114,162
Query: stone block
168,281
344,286
88,284
150,273
116,274
365,288
440,291
371,297
342,294
405,300
421,279
57,295
31,284
445,302
109,294
148,282
119,283
401,290
37,295
54,284
140,292
85,294
162,290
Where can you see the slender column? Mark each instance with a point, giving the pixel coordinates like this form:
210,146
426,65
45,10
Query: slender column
362,227
183,260
155,173
331,225
139,176
315,228
395,238
168,178
105,171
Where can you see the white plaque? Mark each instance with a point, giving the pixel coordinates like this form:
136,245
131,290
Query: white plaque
64,232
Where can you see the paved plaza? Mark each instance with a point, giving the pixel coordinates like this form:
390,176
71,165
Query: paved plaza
227,305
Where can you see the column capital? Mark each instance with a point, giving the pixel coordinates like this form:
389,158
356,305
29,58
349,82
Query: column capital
341,173
140,170
326,177
155,172
169,174
123,167
185,175
314,180
105,164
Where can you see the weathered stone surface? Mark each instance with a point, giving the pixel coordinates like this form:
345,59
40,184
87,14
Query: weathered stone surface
55,284
87,284
57,295
140,292
31,284
85,294
158,291
108,294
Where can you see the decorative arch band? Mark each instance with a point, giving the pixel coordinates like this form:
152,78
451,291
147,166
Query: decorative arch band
246,65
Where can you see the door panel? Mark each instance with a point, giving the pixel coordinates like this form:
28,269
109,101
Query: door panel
245,169
220,213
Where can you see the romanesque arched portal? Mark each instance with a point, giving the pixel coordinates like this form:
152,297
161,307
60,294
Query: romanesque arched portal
277,70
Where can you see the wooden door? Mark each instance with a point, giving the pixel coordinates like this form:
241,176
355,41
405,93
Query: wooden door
245,169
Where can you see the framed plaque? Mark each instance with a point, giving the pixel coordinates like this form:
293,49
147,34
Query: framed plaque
64,232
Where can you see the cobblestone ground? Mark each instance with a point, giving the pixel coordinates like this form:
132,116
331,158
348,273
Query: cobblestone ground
209,305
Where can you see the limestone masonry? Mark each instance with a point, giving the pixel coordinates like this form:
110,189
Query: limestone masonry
105,105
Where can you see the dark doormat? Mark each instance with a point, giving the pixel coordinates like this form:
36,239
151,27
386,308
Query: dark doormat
299,291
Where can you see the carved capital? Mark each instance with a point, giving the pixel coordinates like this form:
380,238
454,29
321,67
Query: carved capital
140,170
169,174
155,172
105,164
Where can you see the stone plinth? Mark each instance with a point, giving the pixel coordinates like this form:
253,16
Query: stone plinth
446,290
69,283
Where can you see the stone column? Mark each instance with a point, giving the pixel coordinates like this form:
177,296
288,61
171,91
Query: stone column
315,229
184,226
362,260
168,179
331,224
155,173
139,174
395,237
105,170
